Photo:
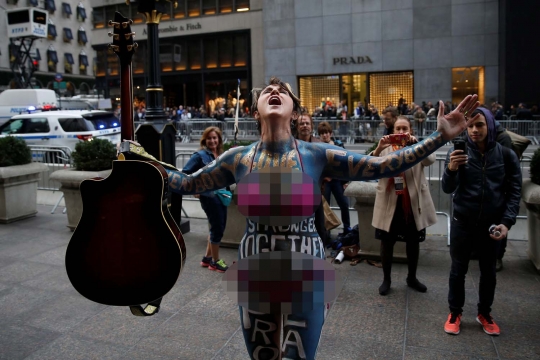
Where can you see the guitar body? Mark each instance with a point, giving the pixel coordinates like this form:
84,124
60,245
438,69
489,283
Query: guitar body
127,249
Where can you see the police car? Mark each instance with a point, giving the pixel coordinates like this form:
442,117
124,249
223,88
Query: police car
63,128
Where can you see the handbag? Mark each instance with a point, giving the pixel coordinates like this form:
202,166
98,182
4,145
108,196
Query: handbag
331,221
224,195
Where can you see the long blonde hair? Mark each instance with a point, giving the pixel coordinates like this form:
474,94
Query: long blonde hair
205,135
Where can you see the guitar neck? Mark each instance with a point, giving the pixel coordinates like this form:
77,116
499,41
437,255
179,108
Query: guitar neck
126,102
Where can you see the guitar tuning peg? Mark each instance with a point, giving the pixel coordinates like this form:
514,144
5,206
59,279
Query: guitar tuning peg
135,45
115,24
128,35
110,34
113,47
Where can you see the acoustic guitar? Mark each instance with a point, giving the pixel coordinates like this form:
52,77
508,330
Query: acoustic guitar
126,250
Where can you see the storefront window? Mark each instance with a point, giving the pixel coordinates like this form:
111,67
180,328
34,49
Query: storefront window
319,92
112,64
211,53
180,63
354,87
240,50
242,5
167,13
109,14
98,17
180,11
209,7
385,89
225,6
139,58
225,51
194,8
100,62
194,50
467,80
166,56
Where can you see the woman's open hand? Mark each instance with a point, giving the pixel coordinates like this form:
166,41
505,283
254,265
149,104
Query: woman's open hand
453,123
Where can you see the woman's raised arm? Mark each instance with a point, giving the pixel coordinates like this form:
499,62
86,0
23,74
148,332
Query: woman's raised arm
351,166
226,170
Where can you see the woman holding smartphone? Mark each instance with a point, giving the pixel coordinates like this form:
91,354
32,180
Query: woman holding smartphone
403,207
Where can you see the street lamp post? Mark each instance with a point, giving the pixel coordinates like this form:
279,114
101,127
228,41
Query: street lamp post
157,135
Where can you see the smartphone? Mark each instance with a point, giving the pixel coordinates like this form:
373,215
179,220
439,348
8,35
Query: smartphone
461,145
398,139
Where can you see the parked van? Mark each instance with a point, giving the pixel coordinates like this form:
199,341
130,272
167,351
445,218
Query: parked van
19,101
63,128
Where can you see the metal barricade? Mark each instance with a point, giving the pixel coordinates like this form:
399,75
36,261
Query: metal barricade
56,158
341,129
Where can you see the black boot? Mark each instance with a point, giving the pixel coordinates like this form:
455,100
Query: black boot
413,252
387,254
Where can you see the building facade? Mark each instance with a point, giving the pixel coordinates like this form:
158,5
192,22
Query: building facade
66,50
205,48
374,51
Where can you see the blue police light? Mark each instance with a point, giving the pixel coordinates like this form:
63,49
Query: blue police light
31,108
115,124
101,126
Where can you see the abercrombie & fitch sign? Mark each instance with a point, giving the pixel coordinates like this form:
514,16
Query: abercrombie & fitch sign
352,60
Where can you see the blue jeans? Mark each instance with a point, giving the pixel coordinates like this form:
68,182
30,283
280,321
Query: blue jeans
336,187
301,334
464,239
217,217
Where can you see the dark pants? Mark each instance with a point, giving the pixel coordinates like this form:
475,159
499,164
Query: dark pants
464,239
217,217
502,248
336,187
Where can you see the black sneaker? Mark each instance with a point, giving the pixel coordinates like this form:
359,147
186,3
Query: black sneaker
205,262
499,265
218,266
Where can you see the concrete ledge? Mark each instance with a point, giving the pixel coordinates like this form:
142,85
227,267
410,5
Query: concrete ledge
530,194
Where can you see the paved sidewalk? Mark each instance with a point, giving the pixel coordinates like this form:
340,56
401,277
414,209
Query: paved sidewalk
43,317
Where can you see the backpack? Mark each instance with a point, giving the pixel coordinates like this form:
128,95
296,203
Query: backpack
519,143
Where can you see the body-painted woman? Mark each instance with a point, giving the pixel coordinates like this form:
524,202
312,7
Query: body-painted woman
275,107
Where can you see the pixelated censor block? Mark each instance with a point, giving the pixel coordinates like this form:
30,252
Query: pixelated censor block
277,196
282,282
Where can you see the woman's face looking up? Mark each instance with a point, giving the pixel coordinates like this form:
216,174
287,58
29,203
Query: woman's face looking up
274,100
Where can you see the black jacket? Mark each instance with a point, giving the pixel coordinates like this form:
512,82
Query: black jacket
485,191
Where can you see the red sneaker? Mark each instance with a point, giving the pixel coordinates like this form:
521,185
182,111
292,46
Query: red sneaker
488,324
452,324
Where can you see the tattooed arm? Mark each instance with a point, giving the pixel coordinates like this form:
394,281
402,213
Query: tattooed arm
350,166
226,170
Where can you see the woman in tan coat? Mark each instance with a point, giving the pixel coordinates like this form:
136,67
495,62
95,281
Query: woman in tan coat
403,208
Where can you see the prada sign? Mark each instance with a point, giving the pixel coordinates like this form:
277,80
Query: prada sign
352,60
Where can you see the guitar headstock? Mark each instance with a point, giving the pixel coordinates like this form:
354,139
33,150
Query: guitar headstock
123,44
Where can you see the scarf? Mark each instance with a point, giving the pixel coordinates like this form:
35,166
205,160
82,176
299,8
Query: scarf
405,197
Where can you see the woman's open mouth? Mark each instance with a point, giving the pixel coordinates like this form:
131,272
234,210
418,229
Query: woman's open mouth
274,100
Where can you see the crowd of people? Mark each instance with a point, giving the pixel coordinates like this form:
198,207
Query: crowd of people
486,201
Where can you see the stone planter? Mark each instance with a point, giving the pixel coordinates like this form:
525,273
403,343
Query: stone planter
18,191
364,193
71,180
530,194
